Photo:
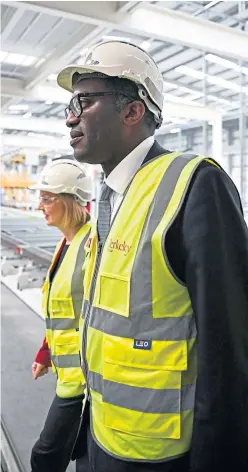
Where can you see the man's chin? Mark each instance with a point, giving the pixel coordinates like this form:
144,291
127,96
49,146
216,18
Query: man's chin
86,157
79,156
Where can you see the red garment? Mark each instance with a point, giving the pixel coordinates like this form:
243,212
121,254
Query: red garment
43,355
88,207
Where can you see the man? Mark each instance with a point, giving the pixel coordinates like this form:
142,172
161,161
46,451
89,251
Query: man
165,315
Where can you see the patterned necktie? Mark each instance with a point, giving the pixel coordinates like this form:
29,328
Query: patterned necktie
104,212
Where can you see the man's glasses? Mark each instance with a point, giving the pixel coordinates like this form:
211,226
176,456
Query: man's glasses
46,201
76,104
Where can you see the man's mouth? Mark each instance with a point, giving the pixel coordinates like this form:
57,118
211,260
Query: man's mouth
76,136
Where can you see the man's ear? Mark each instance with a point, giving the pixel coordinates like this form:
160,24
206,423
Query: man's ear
132,113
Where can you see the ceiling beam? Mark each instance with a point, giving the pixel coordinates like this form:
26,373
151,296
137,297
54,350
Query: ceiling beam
153,22
191,112
18,142
11,24
181,28
39,125
95,13
16,88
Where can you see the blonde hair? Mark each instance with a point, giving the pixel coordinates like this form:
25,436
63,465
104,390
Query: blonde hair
75,213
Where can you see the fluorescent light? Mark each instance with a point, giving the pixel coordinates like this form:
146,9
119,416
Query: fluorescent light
52,77
211,79
223,83
226,63
29,61
145,45
175,130
188,99
14,112
27,115
197,74
48,102
13,58
17,59
115,38
18,107
170,85
2,55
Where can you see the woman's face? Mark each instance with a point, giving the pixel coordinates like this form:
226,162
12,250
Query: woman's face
52,207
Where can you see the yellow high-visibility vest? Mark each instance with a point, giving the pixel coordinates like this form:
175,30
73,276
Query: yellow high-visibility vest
139,332
62,304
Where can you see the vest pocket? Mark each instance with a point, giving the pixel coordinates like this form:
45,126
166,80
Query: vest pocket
61,308
65,338
140,395
114,292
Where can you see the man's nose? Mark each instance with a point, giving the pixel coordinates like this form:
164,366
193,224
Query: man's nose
71,120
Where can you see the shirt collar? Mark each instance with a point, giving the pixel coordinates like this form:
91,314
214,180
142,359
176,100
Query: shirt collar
122,174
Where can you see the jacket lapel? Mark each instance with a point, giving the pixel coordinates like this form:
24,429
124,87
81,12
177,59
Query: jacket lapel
156,150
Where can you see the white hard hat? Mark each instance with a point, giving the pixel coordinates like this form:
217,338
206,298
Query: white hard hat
123,60
65,176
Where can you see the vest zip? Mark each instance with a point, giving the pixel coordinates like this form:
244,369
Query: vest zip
91,297
86,318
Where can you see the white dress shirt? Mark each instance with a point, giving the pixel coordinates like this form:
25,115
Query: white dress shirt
122,174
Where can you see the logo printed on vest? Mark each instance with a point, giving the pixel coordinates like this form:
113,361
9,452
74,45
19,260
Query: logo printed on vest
118,246
142,344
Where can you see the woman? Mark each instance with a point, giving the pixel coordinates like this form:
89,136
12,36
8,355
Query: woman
65,191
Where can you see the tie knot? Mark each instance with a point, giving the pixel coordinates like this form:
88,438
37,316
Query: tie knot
105,192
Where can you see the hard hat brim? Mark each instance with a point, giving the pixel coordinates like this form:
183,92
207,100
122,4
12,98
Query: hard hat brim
64,78
45,188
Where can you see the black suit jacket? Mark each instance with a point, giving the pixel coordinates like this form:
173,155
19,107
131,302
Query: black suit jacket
207,246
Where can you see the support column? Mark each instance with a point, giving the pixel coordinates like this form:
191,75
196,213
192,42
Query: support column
242,121
217,141
205,101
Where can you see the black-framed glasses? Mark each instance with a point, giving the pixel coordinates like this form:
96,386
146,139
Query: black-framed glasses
75,106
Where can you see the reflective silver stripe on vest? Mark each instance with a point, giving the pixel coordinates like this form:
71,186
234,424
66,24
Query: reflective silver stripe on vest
77,291
141,282
161,329
61,323
69,360
146,400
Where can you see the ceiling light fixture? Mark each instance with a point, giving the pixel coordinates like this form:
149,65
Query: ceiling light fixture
18,107
17,59
145,45
226,63
52,77
115,38
211,79
175,130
